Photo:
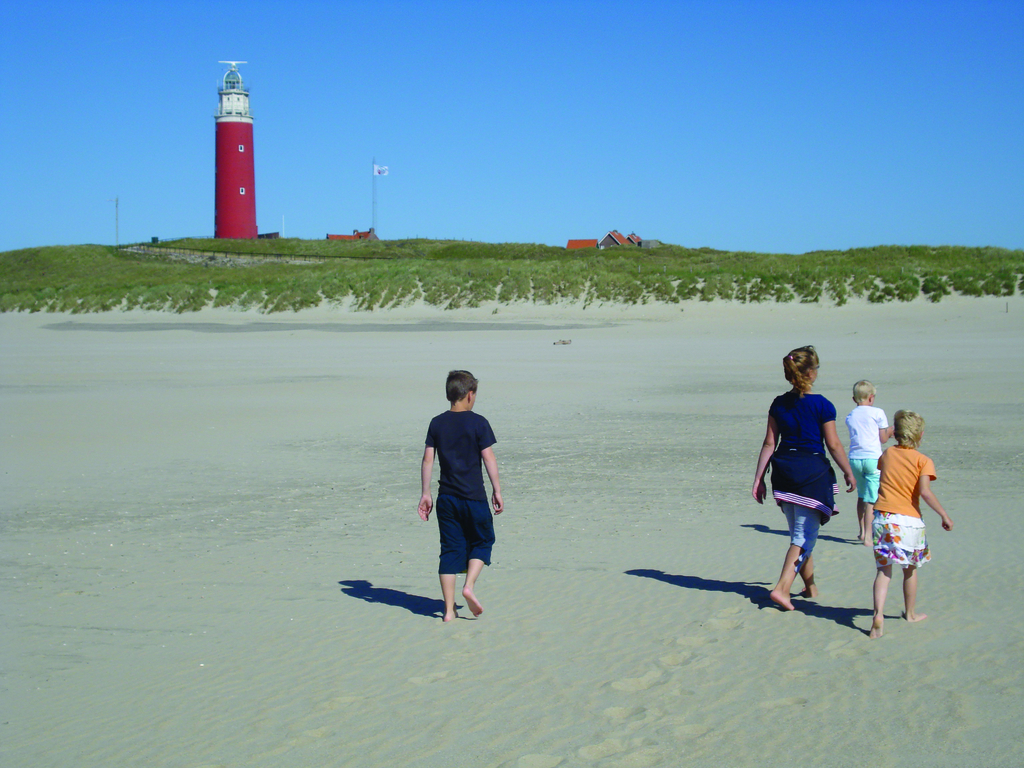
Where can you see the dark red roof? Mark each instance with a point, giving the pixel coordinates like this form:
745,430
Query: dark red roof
581,244
353,236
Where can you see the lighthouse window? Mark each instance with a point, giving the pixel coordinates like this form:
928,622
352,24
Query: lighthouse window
241,190
241,147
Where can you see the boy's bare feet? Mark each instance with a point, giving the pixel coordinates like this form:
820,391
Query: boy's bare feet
781,600
472,602
915,616
450,617
876,628
809,590
868,542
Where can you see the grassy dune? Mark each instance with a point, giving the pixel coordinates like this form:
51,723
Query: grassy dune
290,274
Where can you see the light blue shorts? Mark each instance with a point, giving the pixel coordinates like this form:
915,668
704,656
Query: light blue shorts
803,528
865,472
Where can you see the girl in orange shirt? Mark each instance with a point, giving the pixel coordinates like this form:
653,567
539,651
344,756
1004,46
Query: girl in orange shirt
898,530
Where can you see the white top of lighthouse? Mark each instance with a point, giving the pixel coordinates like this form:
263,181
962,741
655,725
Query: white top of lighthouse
234,97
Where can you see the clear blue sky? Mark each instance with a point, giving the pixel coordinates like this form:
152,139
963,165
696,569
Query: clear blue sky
769,126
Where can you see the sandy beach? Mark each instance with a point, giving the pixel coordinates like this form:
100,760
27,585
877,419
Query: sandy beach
211,554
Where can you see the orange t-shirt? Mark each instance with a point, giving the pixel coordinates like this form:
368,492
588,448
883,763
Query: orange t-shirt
901,468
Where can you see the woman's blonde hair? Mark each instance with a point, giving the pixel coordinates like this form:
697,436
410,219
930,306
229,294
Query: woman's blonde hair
798,365
907,428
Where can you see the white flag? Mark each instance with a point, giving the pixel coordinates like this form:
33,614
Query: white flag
380,170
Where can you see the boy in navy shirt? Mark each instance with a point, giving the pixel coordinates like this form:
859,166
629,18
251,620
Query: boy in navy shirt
461,439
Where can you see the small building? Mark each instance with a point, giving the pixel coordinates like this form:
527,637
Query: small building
356,235
615,237
573,244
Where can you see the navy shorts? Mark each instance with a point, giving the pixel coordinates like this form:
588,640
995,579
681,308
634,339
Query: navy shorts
467,532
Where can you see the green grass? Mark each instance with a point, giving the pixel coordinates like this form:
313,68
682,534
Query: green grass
290,274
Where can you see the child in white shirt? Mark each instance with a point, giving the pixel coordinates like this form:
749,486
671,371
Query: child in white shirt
868,430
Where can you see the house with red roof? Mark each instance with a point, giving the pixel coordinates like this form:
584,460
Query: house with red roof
615,237
611,239
573,244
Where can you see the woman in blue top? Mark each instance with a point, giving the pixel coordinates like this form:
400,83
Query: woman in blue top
800,426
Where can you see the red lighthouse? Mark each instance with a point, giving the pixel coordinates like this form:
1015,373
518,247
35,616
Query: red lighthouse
235,213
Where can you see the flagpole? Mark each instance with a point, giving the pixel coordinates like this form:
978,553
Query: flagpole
373,172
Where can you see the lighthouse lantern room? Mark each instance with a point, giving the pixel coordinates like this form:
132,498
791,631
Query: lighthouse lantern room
235,195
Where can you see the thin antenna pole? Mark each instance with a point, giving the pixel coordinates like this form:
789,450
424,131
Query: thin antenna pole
373,172
117,222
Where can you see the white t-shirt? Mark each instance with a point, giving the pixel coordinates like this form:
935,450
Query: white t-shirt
864,422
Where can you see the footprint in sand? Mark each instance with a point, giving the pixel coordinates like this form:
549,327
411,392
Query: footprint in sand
722,625
694,642
432,677
275,752
634,684
339,701
678,692
844,649
845,653
676,659
538,761
316,733
646,757
624,713
606,748
690,731
792,701
798,674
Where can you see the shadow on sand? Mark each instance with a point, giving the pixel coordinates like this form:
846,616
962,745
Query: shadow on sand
421,606
756,593
761,528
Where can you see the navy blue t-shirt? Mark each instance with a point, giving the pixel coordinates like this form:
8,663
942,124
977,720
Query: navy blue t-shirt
458,437
799,420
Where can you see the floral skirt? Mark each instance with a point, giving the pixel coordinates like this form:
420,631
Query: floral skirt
899,540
